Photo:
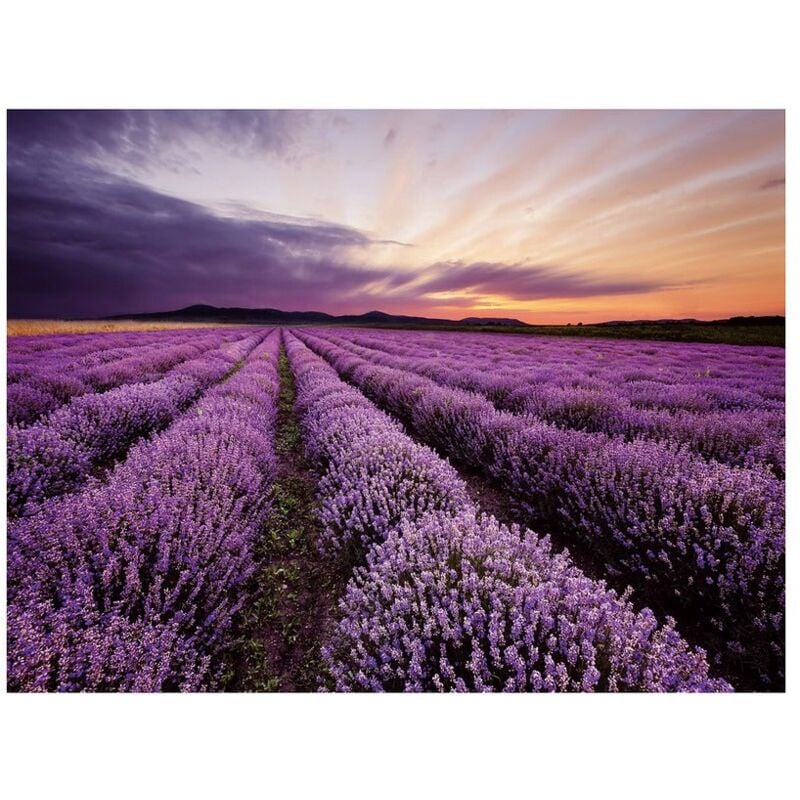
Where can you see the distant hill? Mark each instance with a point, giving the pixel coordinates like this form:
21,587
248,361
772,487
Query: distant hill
687,321
745,321
205,313
274,316
490,321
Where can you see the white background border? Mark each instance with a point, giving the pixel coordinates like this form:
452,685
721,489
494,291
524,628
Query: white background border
409,55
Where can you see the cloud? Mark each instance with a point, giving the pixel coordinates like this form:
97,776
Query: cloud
144,137
84,243
81,242
391,135
773,184
526,281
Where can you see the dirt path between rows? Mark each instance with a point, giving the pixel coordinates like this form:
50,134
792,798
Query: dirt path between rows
297,587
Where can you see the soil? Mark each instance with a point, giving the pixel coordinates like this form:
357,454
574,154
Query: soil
297,587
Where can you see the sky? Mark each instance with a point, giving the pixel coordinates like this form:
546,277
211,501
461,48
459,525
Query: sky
545,216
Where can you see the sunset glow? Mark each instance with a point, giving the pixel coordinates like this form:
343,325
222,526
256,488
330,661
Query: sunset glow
546,216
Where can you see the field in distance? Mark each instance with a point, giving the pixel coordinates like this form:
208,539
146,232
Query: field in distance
41,327
772,334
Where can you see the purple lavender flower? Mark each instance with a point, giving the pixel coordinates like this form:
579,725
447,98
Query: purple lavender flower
451,602
703,539
135,584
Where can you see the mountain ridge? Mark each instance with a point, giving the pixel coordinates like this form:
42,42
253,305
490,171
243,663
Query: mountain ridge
201,312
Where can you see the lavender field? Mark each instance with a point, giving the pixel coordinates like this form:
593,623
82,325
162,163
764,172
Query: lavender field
335,509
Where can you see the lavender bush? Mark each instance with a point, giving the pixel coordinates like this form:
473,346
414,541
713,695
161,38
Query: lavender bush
135,584
708,405
705,540
466,604
448,600
58,453
44,379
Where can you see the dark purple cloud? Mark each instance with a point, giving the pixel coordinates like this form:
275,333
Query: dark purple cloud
526,281
773,184
391,135
81,242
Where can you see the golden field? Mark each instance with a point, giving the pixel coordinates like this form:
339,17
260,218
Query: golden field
38,327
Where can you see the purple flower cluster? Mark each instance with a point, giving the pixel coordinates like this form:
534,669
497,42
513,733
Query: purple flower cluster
467,604
143,367
703,539
723,403
374,476
451,600
58,453
670,375
41,380
135,584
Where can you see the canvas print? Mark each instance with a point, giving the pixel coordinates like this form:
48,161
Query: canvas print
395,401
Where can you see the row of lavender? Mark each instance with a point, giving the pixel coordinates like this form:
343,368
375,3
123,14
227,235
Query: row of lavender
135,584
724,405
37,352
692,376
46,371
60,452
448,599
42,380
702,541
29,348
